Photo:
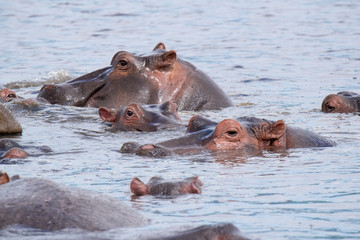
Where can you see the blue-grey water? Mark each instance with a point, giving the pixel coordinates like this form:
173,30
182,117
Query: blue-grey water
275,59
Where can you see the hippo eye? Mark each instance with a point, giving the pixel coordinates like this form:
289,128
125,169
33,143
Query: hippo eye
129,113
330,108
11,96
123,63
232,133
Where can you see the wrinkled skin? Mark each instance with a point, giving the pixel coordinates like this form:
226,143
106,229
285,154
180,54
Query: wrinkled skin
248,133
8,123
158,186
143,118
342,102
45,205
145,79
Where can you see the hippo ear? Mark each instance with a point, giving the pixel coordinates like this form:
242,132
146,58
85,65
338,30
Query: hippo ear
276,130
138,188
107,115
269,131
160,45
4,178
167,59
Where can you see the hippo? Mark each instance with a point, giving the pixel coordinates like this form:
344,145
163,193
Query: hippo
50,206
8,123
158,186
142,118
245,133
342,102
145,79
10,149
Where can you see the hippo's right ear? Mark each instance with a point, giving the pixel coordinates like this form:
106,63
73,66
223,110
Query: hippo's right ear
107,115
160,45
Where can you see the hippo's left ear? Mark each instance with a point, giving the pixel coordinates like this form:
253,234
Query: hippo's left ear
269,131
167,59
276,130
160,45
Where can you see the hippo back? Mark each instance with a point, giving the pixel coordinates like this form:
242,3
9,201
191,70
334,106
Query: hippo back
46,205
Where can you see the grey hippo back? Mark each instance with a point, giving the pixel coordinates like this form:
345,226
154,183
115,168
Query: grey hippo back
43,204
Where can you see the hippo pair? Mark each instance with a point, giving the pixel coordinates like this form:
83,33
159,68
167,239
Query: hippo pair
50,206
245,133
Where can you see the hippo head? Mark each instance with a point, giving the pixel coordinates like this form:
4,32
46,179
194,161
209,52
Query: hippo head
6,95
129,78
143,118
342,102
232,135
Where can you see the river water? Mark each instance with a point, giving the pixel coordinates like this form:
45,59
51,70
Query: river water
275,59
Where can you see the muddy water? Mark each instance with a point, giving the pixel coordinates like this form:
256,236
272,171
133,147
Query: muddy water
275,59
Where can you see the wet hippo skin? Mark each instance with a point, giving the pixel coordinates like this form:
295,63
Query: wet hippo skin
244,133
43,204
342,102
144,79
141,117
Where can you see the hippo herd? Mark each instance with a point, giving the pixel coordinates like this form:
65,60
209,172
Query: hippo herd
141,93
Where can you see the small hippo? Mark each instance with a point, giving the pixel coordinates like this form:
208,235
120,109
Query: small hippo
143,118
45,205
342,102
158,186
10,149
145,79
8,123
246,133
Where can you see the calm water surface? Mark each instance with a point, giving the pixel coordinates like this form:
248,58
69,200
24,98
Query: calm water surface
275,59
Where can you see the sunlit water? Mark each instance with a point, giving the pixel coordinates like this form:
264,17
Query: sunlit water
275,59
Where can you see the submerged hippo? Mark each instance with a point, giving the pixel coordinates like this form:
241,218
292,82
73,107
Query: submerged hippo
246,133
45,205
158,186
148,79
10,149
143,118
342,102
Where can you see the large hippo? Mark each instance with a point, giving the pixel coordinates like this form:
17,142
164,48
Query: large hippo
141,117
159,186
148,79
8,123
245,133
43,204
342,102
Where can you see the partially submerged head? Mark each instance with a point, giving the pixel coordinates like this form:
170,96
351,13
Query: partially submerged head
342,102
